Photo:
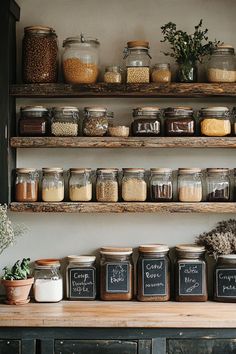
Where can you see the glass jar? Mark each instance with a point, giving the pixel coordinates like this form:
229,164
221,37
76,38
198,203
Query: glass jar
134,186
190,273
179,121
81,278
116,274
225,278
222,65
80,60
112,75
26,185
52,184
34,121
215,121
161,73
80,185
153,269
147,121
65,121
218,185
39,55
107,185
137,62
48,283
161,185
190,185
95,122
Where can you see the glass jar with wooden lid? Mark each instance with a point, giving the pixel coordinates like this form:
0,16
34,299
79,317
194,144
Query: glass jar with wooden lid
222,65
161,185
96,121
113,74
190,188
80,185
34,121
134,185
147,121
107,185
179,121
65,121
26,185
225,278
215,121
218,185
52,184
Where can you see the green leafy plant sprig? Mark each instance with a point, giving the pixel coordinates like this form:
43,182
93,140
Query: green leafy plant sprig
19,271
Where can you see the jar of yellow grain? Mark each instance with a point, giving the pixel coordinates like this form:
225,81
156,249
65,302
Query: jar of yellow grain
80,60
161,73
215,121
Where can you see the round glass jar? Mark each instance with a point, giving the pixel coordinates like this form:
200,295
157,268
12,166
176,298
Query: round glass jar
161,73
52,184
112,75
190,274
222,66
225,278
116,274
179,121
48,283
26,185
147,121
34,121
161,185
81,278
39,55
96,121
190,185
134,186
218,185
107,185
215,121
80,185
137,62
80,60
153,273
65,121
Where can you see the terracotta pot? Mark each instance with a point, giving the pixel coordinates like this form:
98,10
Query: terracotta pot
17,291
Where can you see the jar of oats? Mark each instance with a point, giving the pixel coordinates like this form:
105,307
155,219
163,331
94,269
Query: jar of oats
80,185
134,186
222,65
65,121
112,75
107,185
215,121
161,73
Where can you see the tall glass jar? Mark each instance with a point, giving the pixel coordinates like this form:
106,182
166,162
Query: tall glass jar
147,121
116,274
65,121
215,121
95,122
222,65
107,185
218,185
190,185
113,74
137,62
161,73
190,273
134,186
52,184
34,121
80,185
39,55
80,60
153,269
26,185
161,185
225,279
48,283
179,121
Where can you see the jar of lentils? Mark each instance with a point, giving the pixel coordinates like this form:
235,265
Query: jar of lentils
112,75
134,186
80,185
65,121
96,121
26,185
161,185
107,185
52,184
179,121
218,185
222,65
137,61
190,185
34,121
215,121
147,121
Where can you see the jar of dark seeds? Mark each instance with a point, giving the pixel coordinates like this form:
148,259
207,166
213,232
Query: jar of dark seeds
65,121
95,121
39,55
107,185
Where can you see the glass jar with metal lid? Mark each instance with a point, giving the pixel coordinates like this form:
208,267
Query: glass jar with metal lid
137,62
134,185
190,273
116,274
215,121
225,278
95,122
52,184
161,73
81,278
161,185
190,185
113,74
65,121
26,185
107,185
153,269
80,60
147,121
222,65
34,121
48,283
39,55
179,121
80,185
218,185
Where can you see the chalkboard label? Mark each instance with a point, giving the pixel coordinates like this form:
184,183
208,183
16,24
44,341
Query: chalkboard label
154,277
226,282
82,283
190,279
117,277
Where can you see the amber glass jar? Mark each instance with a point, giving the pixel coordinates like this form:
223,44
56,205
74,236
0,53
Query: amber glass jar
34,121
225,279
26,185
153,269
179,121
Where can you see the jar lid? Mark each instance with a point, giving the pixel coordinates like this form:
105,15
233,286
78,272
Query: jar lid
39,29
217,170
119,251
214,110
178,111
191,170
229,257
224,48
149,110
107,170
34,109
26,170
161,170
133,170
48,262
86,41
190,248
138,44
80,170
114,68
95,109
81,259
52,169
65,109
161,66
158,248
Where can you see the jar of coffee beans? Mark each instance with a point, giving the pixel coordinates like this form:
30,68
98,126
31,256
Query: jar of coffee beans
96,121
65,121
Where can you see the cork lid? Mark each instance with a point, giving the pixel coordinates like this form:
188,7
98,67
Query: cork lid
160,170
52,169
80,170
155,248
138,44
224,48
65,109
187,170
134,170
190,248
218,170
81,259
34,109
95,109
25,170
48,262
119,251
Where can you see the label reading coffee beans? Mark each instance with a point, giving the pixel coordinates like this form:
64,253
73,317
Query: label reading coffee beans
82,283
117,278
190,279
226,282
154,277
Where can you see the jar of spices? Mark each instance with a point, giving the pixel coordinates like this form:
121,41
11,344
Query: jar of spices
190,273
190,185
222,65
80,185
95,122
112,75
161,73
147,121
137,62
52,184
107,185
34,121
179,121
161,185
225,278
116,274
26,185
80,60
153,269
215,121
48,284
65,121
218,185
134,186
81,278
39,55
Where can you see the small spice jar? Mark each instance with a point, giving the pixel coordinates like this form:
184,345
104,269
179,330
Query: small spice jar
34,121
147,121
80,185
39,55
112,75
116,274
179,121
52,184
215,121
161,185
96,121
26,185
107,185
222,65
65,121
190,185
190,273
225,278
81,283
134,186
218,185
48,284
161,73
153,269
137,62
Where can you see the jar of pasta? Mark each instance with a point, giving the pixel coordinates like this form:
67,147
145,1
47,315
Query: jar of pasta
107,185
96,121
26,185
52,184
215,121
80,185
222,65
137,62
190,185
218,185
134,186
161,73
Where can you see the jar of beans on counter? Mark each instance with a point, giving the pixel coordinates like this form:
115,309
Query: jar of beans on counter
107,185
65,121
147,121
137,62
96,121
215,121
112,75
161,73
34,121
80,185
179,121
26,185
190,185
52,184
134,185
225,278
218,185
161,185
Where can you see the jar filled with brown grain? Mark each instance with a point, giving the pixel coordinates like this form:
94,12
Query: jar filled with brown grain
112,75
107,185
65,121
34,121
80,185
147,121
26,185
134,185
137,62
161,73
96,121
